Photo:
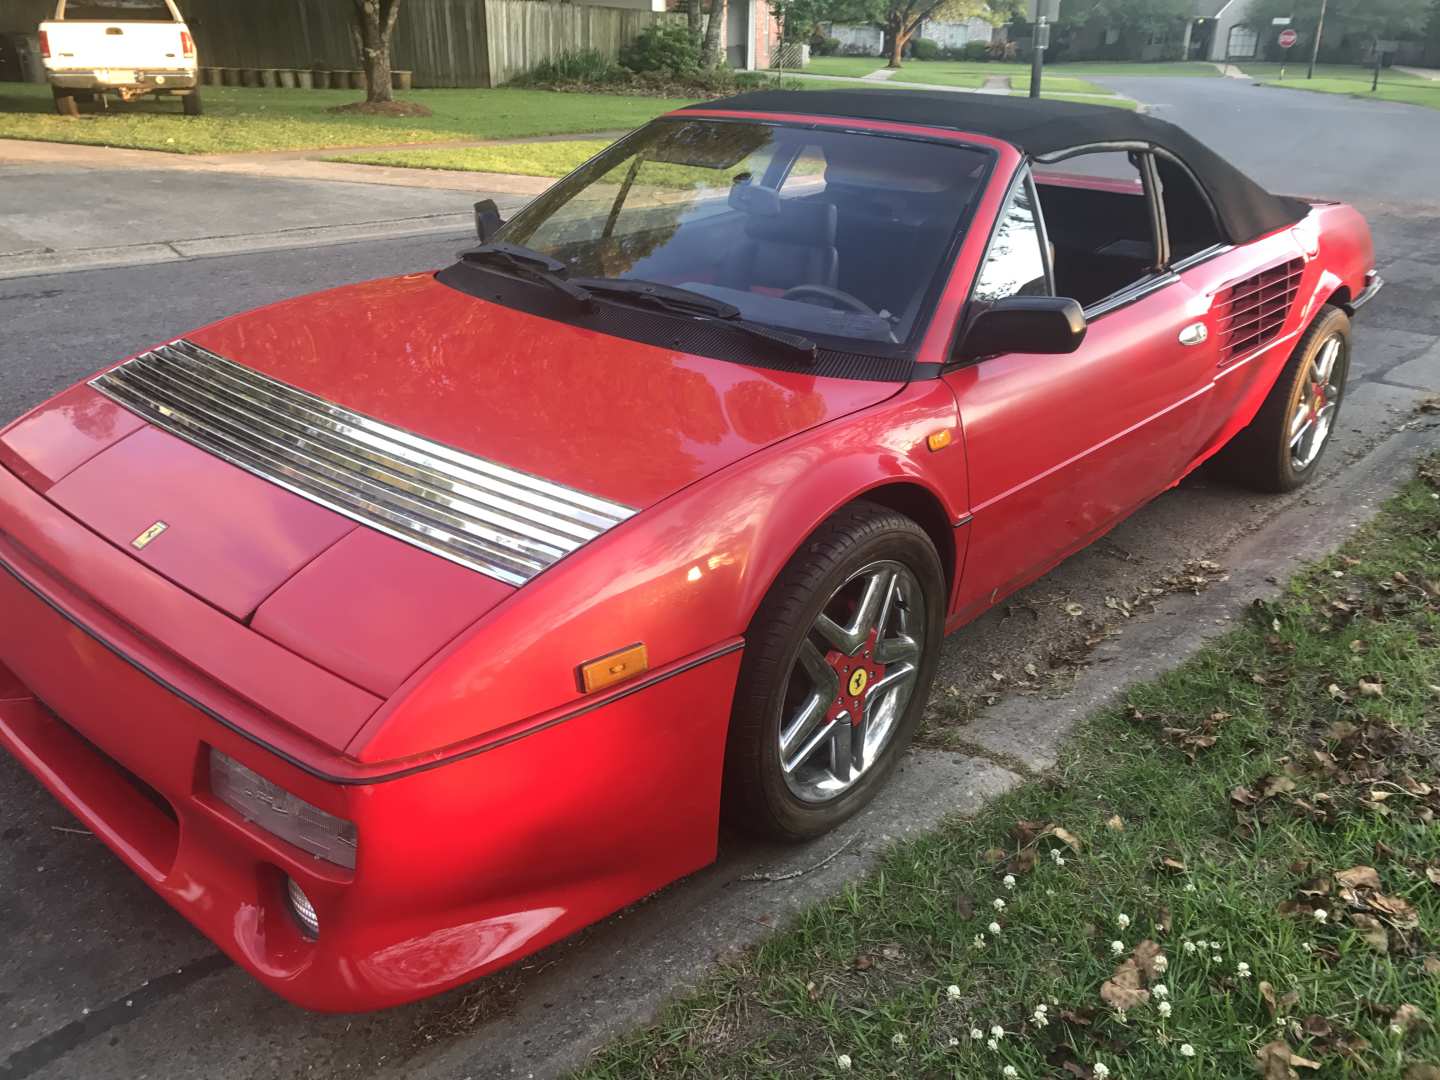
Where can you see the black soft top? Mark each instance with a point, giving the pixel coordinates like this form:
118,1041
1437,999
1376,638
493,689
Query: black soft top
1037,128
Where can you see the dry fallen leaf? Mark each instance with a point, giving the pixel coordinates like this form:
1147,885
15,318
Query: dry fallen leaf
1372,932
1276,1061
1431,966
1281,1005
1422,1072
1122,990
1371,689
1433,873
1358,877
1409,1016
1066,837
1395,911
1116,824
1174,865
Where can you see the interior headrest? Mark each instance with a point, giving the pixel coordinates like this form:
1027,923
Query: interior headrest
755,199
796,222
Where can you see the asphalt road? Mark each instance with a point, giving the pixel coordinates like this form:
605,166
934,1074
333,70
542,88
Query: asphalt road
98,978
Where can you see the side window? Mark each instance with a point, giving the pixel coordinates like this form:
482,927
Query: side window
1189,220
1014,265
1097,218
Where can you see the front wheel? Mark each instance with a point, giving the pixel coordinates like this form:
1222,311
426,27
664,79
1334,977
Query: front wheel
838,664
1280,449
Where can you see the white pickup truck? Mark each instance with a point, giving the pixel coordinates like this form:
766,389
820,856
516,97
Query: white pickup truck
127,47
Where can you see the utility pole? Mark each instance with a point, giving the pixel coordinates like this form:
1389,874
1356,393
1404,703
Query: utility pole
1315,45
1037,54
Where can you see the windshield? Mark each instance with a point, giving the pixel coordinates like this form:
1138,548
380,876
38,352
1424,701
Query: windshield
834,234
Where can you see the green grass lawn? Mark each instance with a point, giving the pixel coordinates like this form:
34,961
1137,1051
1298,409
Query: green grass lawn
239,119
1395,85
844,65
1236,872
1181,68
521,159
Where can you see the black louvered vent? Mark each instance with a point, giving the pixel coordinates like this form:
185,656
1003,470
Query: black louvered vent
1251,312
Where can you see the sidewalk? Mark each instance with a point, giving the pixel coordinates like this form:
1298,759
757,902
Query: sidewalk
65,207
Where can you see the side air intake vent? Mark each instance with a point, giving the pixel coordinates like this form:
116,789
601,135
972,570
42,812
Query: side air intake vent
1251,312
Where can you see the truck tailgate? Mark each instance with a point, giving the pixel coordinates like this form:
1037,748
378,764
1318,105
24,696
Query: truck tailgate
119,46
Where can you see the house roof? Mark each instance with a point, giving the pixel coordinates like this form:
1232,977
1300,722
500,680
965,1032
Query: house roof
1039,128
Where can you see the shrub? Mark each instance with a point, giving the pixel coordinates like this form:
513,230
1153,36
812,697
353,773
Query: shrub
820,45
856,49
663,47
975,50
925,49
583,66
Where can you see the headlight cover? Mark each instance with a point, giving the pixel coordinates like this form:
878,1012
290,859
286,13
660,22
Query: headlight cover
277,811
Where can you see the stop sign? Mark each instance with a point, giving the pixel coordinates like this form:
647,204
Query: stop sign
1288,38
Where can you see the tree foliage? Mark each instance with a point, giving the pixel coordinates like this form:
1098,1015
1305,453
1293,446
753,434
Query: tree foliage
1343,18
1126,15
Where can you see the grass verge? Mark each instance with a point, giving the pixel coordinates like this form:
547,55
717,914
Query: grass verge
249,120
1396,86
518,159
1234,871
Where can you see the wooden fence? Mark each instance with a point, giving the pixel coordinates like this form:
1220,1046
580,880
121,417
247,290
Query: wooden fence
444,42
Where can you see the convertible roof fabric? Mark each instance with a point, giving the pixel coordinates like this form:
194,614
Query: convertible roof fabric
1246,210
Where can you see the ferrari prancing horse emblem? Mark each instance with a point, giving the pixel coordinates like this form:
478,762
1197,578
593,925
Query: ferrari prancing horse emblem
858,678
149,534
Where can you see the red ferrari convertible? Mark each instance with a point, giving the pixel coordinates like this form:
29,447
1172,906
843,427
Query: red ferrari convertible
393,632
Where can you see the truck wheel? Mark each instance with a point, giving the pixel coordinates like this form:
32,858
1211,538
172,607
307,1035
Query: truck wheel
1281,448
65,103
837,668
191,102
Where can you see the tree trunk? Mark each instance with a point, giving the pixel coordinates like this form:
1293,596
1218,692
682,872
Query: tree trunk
710,52
895,38
375,23
695,17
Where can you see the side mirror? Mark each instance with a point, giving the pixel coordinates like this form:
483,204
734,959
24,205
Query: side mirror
1023,324
487,220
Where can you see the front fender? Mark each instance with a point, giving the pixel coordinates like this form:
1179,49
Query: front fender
683,577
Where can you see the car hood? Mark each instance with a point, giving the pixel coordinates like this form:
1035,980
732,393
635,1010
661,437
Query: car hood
600,426
623,421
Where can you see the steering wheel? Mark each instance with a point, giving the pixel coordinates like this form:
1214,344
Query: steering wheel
834,298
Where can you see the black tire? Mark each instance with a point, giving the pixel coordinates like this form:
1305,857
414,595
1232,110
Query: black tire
1259,456
65,103
191,102
756,796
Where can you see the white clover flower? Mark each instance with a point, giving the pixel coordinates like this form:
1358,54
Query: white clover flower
979,941
998,1031
1009,1070
1189,886
1117,947
1008,881
1161,963
897,1040
1122,921
952,992
1305,946
843,1062
1164,1008
1216,946
1162,992
952,1041
1040,1016
1186,1050
976,1034
998,904
992,1044
1396,1029
1320,914
1100,1070
1242,969
1056,857
1189,948
1049,892
994,928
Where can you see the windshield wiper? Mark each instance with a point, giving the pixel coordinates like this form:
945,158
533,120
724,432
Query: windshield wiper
529,262
697,305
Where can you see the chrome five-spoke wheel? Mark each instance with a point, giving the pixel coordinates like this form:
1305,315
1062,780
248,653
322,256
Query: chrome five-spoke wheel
1314,414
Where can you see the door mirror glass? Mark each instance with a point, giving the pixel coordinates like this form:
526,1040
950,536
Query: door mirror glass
1023,324
487,220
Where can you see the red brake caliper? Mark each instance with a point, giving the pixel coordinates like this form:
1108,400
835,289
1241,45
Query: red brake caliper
858,674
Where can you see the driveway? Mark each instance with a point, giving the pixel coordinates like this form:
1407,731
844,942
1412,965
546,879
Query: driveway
98,978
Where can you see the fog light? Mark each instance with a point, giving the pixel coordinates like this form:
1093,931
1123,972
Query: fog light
276,810
302,909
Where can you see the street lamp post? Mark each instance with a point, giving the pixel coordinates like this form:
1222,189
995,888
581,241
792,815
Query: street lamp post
1315,45
1041,14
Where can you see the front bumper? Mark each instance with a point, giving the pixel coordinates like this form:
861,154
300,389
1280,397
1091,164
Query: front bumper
1373,284
160,80
461,869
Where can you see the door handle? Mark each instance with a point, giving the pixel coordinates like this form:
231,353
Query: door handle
1194,334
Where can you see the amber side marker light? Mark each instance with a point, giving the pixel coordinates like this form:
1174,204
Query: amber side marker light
616,667
938,440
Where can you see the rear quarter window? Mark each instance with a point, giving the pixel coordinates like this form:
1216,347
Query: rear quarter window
115,11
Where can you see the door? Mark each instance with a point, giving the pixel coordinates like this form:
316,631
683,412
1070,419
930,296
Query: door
1062,447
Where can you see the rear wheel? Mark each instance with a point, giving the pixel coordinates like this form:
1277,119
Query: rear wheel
838,665
191,102
65,103
1281,448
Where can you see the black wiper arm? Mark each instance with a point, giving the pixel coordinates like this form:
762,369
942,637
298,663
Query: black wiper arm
680,301
531,263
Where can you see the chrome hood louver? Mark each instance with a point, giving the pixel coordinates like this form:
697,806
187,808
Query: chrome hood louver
480,514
